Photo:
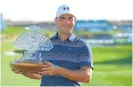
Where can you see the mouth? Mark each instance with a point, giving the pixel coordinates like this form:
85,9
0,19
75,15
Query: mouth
70,26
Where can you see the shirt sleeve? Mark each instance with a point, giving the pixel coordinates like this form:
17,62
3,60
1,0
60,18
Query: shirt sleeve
85,57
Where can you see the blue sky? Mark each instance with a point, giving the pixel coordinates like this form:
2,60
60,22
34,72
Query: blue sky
45,10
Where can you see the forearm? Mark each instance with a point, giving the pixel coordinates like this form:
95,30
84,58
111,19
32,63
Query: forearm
77,75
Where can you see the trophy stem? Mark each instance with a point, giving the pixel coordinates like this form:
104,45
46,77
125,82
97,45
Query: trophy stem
27,55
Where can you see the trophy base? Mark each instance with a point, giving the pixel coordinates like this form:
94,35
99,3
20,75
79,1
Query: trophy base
27,67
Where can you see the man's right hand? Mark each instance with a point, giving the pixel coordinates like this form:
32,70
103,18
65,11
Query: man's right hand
16,71
32,75
28,74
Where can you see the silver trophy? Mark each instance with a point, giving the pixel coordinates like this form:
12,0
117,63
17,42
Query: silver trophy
31,42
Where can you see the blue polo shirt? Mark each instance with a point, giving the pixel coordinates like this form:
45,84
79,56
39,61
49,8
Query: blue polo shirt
72,54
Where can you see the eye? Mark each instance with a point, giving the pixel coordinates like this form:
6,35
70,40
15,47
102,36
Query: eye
70,18
62,18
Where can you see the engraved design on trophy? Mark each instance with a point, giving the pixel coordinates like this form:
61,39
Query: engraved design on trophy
31,42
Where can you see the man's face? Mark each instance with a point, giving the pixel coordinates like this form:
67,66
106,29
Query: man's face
65,23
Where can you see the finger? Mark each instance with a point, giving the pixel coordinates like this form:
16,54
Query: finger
45,69
17,72
48,63
22,72
45,66
48,71
45,72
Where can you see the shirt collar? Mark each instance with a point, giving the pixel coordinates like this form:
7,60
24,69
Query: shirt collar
70,38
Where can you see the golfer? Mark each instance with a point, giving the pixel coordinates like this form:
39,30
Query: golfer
69,62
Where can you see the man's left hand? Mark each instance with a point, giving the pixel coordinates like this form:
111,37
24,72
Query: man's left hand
49,69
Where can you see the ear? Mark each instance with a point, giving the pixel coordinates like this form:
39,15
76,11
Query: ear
55,20
75,19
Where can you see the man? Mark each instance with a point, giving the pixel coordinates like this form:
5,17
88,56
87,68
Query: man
70,60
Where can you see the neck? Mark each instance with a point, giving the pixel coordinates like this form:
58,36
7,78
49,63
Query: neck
63,36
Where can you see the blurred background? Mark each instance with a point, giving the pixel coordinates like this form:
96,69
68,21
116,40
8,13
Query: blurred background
107,30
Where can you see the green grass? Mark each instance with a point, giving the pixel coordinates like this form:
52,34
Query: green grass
111,75
112,53
112,66
16,31
13,31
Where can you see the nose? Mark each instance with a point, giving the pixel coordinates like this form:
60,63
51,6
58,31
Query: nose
68,21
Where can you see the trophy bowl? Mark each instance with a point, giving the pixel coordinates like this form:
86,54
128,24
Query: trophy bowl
31,42
27,67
